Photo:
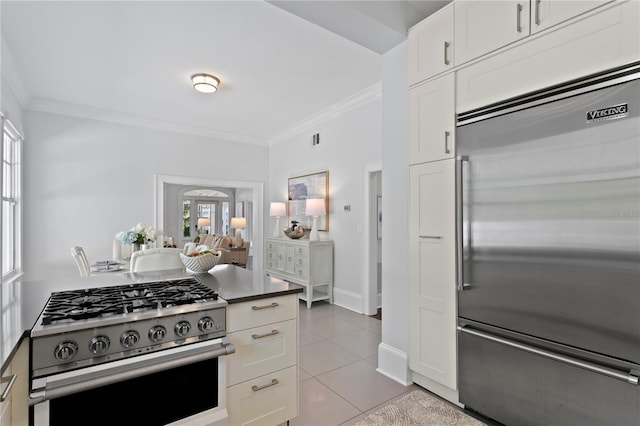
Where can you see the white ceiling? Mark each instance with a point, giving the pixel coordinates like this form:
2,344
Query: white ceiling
280,63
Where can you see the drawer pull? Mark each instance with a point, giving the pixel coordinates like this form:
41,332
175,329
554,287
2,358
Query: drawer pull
11,379
257,308
431,237
518,17
256,388
260,336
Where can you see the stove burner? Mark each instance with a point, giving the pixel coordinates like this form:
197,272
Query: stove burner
107,301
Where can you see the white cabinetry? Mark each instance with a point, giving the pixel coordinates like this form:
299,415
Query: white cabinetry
432,315
483,26
430,45
262,375
591,44
547,13
432,120
303,262
14,410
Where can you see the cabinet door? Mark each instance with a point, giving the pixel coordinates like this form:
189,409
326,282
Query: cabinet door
432,120
430,44
547,13
604,40
14,411
432,348
484,26
281,254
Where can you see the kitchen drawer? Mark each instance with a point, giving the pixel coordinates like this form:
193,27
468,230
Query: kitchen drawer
267,400
255,313
262,350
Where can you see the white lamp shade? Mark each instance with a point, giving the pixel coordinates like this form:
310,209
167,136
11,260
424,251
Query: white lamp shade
278,209
238,222
316,207
203,221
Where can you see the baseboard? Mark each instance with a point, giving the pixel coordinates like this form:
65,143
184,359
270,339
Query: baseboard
348,299
441,390
394,364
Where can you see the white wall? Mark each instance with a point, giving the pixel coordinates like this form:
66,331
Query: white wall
348,143
392,353
86,180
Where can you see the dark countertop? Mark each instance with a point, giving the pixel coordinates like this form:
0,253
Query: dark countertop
232,283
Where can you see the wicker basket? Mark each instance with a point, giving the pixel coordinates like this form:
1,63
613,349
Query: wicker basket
201,263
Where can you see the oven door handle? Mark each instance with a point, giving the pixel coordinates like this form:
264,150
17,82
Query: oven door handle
118,371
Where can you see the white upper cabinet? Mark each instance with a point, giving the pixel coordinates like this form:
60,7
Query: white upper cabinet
430,44
547,13
483,26
432,120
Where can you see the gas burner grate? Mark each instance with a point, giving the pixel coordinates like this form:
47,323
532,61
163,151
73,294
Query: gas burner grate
101,302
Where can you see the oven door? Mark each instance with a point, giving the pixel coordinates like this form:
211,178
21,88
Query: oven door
180,386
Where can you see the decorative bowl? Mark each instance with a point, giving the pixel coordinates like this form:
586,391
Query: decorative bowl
202,262
295,234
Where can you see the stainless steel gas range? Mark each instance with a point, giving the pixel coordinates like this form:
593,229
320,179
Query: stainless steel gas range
158,346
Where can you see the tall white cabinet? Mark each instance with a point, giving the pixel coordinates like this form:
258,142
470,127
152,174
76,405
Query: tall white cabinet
432,275
304,262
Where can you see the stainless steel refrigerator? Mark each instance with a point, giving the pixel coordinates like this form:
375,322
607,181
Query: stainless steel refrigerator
549,255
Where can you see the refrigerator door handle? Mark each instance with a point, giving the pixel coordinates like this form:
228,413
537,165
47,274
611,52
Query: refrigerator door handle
600,369
460,243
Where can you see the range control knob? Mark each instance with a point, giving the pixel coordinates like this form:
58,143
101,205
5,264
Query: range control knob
182,328
157,333
205,324
99,344
129,338
66,350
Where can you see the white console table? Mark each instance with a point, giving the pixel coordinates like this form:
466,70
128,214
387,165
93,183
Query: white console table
303,262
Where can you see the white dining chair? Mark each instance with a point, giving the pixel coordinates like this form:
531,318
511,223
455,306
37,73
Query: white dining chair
81,260
156,259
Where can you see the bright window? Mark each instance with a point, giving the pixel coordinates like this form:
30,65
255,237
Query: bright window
11,188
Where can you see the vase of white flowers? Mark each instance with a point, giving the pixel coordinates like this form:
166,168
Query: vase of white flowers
138,237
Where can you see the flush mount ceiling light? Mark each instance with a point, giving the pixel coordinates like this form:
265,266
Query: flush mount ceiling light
205,83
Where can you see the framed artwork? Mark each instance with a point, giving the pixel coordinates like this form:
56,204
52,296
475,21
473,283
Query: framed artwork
379,217
305,187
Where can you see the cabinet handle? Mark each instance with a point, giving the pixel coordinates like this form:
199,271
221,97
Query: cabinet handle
260,336
431,237
257,308
446,57
446,142
537,20
5,393
256,388
518,18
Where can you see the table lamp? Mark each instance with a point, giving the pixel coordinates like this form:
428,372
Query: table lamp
277,210
202,223
315,207
238,223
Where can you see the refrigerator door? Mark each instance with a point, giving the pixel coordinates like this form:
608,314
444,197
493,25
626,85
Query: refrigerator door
551,221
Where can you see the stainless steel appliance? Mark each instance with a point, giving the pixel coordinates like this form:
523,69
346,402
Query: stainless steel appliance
549,240
145,353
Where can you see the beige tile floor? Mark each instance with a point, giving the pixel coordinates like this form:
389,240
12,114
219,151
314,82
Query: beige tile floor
339,383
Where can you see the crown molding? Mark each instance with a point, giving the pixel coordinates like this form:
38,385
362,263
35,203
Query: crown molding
370,94
99,114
